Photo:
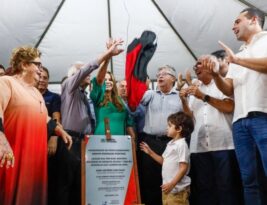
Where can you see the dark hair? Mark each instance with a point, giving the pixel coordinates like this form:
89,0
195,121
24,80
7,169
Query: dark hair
114,96
46,70
180,119
255,12
2,67
220,54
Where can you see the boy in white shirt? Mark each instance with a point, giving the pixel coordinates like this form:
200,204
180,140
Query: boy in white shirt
175,160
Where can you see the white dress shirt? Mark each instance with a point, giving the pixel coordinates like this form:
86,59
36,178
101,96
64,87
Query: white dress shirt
213,129
249,85
176,151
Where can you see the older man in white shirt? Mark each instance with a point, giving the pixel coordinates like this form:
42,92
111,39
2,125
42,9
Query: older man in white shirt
215,174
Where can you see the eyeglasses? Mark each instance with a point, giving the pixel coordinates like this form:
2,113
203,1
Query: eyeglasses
163,74
37,64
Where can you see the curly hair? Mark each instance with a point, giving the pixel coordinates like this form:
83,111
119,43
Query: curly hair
180,119
21,55
114,96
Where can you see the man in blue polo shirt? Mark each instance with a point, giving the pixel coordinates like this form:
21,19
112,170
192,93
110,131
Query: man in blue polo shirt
52,102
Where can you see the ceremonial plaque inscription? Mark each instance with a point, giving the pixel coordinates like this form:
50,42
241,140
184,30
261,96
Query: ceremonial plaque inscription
110,174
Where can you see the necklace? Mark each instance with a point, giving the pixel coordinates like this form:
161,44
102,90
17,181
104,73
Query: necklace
31,91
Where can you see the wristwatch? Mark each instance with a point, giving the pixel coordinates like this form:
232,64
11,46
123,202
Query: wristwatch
206,98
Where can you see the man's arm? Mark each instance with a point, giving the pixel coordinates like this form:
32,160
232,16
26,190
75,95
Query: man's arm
183,96
226,105
256,64
113,50
225,85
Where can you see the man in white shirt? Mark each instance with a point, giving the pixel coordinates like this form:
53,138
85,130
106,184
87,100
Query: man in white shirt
214,167
247,81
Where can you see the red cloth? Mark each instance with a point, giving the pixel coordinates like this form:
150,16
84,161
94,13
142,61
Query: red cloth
135,87
139,53
131,195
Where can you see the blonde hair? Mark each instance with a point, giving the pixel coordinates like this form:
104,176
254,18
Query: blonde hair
23,54
114,96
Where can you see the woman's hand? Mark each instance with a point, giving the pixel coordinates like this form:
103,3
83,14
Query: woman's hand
6,154
113,47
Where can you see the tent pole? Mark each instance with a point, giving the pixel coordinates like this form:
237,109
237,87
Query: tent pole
173,28
109,33
50,23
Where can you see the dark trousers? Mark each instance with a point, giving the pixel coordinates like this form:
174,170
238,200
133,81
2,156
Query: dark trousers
262,180
52,178
69,173
150,171
216,178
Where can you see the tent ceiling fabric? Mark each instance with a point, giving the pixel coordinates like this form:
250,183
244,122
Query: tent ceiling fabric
22,23
81,28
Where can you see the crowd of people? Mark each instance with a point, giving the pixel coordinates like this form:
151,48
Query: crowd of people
199,142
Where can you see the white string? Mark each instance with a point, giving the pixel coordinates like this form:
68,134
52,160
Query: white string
128,23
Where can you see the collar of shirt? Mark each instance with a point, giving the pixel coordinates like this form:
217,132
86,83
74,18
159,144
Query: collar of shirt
206,85
254,39
83,90
172,91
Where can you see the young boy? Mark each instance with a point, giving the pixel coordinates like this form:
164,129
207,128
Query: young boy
174,160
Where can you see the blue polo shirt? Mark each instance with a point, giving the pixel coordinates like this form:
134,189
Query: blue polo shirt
52,102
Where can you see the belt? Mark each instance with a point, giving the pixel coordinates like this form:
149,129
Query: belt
75,134
257,114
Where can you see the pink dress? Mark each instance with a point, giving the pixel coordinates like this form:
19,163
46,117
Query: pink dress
23,111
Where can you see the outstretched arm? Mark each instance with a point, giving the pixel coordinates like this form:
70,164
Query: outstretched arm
145,148
112,49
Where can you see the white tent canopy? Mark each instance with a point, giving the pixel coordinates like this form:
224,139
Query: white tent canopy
76,30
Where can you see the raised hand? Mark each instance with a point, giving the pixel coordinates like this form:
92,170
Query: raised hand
231,57
113,47
188,78
194,90
210,64
180,82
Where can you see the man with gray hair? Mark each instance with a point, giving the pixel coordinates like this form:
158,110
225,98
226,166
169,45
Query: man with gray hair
77,120
159,105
